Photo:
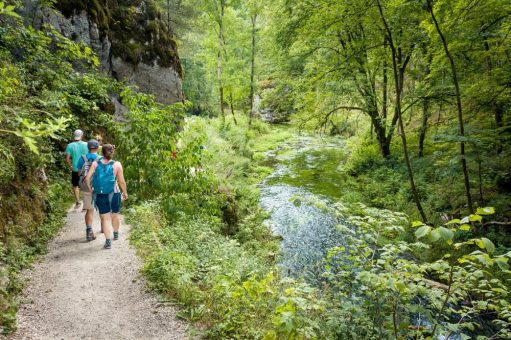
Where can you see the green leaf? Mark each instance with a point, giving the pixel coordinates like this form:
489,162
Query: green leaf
416,224
400,285
475,218
502,263
391,283
485,211
30,142
483,258
465,227
490,247
445,233
455,221
422,231
434,235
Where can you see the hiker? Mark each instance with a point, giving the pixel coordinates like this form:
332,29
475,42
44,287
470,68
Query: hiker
74,151
84,165
104,178
99,138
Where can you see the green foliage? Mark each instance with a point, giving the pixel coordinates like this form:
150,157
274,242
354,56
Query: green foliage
8,10
21,244
391,287
42,99
148,143
376,286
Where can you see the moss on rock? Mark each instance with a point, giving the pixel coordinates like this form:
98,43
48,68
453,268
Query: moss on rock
136,29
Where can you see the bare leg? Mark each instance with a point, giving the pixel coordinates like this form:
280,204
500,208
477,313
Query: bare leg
102,228
116,223
107,225
89,216
76,192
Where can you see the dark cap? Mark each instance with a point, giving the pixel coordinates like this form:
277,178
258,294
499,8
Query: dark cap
92,144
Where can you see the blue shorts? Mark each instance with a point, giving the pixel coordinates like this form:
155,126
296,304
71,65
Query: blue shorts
106,206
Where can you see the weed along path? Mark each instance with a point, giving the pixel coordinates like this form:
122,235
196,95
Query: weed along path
82,291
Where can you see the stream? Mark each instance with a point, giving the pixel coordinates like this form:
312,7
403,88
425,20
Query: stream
308,174
306,170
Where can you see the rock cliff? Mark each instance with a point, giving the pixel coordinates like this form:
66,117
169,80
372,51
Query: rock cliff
132,40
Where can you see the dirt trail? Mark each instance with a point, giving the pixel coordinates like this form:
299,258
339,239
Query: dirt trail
82,291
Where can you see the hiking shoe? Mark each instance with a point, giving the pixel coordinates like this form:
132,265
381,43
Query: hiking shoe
77,205
116,235
108,244
90,235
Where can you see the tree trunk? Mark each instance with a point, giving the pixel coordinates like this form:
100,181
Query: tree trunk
496,105
231,103
252,69
219,56
381,137
220,86
398,70
385,82
424,126
367,90
480,173
459,108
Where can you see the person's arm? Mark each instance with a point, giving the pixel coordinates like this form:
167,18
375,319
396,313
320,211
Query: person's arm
89,175
68,157
122,183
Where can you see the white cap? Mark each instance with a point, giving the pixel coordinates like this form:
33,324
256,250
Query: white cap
78,134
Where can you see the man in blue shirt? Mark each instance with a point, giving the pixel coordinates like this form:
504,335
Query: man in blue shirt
91,156
74,152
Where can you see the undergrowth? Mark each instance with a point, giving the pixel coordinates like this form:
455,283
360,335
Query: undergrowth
21,247
206,248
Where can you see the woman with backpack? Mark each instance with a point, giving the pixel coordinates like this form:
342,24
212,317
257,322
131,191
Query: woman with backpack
106,180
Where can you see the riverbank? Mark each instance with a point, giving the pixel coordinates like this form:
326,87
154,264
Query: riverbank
210,249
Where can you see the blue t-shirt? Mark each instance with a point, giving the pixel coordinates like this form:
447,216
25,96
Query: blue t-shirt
89,156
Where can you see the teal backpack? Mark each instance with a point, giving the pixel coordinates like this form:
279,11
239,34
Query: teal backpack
103,180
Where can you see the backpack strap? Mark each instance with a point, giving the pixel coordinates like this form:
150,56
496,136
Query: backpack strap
99,160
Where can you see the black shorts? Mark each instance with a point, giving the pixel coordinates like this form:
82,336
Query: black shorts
75,179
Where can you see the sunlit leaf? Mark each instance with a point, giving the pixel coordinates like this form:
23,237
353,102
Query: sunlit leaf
485,211
422,231
475,218
465,227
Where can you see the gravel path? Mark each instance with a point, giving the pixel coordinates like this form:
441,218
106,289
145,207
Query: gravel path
82,291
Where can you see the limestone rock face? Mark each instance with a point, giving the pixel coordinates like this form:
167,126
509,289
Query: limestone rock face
122,54
163,82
